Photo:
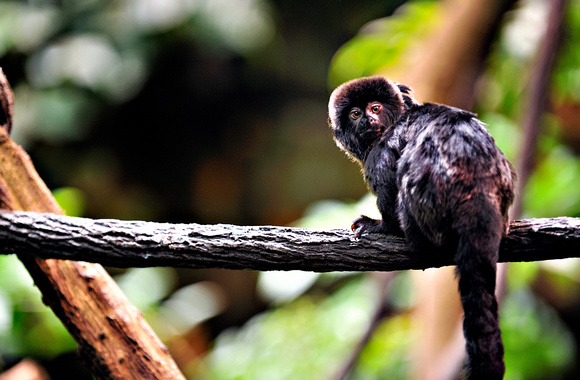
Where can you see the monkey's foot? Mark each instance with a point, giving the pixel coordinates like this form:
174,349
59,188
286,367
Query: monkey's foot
365,224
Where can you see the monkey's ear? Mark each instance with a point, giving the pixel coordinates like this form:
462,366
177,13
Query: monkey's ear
405,89
407,93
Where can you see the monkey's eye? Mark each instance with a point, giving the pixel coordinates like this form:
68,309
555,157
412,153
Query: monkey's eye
355,114
376,108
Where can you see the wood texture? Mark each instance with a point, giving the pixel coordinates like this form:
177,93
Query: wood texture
126,244
6,103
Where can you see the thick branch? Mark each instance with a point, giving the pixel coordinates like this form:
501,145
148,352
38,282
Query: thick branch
144,244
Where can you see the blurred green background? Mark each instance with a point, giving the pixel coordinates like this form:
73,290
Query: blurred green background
214,111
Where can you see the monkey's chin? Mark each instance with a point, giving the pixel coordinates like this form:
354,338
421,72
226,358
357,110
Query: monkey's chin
370,135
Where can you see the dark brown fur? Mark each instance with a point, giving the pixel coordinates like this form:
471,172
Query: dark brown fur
440,181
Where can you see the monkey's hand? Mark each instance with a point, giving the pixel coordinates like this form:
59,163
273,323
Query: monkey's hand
365,224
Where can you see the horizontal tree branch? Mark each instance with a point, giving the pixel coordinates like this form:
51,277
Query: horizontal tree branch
126,244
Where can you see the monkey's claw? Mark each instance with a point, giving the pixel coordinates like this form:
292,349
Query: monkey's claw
364,223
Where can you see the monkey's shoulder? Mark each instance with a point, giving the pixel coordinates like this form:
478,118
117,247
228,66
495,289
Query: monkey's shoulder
438,122
440,112
433,119
447,126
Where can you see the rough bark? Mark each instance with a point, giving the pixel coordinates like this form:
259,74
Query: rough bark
126,244
6,103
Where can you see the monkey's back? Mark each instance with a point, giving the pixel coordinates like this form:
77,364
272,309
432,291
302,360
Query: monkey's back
449,165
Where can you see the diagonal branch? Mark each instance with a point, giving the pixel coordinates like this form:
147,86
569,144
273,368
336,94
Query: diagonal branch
6,103
144,244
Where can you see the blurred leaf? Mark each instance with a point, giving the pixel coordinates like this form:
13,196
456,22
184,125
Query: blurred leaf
56,115
337,214
306,339
24,27
280,287
505,133
567,71
521,275
71,200
537,344
553,188
29,323
382,42
387,355
146,287
188,307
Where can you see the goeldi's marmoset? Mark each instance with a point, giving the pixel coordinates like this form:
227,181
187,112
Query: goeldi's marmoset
442,183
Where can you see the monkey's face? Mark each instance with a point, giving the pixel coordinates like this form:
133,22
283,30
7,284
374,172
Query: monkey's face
360,127
370,120
360,111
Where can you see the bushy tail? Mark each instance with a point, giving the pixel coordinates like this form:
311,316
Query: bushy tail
476,260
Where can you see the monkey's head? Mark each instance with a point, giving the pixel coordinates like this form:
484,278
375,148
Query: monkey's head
360,111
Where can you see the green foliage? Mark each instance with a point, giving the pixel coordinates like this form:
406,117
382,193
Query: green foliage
170,312
566,74
381,43
81,55
337,214
388,354
504,132
537,344
309,339
553,188
71,200
26,324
